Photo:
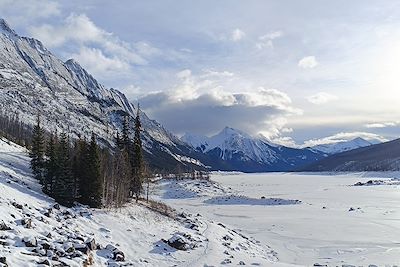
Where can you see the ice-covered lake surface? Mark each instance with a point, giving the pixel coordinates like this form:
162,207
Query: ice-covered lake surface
306,218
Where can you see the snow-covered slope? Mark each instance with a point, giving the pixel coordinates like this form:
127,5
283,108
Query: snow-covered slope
33,80
236,150
34,231
338,147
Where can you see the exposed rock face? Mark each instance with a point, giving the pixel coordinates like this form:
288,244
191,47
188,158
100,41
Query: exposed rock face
32,79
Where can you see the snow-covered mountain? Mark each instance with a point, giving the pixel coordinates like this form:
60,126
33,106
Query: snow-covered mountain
232,149
338,147
377,157
33,80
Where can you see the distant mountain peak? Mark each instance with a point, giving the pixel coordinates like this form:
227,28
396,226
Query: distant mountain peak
341,146
229,131
240,151
5,27
73,62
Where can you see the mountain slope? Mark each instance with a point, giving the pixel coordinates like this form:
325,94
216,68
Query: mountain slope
33,80
339,147
232,149
35,231
379,157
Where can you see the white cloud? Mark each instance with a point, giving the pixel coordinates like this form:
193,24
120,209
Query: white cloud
24,12
344,136
77,28
237,35
381,124
266,41
98,63
308,62
321,98
201,104
80,30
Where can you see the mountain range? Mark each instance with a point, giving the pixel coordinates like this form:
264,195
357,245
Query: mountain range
34,81
378,157
342,146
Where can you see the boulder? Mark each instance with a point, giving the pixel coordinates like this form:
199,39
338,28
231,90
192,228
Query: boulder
117,254
178,242
30,241
4,226
27,223
91,244
44,262
18,206
83,248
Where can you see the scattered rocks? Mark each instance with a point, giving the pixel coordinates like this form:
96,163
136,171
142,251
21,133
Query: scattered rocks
56,206
3,260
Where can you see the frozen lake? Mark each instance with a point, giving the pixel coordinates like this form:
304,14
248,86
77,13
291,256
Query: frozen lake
335,223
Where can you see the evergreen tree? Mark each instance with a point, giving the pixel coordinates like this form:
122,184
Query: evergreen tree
37,151
138,164
118,141
63,190
125,140
50,166
79,160
95,186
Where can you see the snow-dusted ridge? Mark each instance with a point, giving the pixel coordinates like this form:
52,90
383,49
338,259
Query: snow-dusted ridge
339,147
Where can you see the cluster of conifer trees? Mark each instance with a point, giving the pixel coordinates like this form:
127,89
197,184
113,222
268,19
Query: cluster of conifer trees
81,171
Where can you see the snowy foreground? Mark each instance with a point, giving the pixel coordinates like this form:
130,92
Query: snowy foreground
308,220
36,232
253,220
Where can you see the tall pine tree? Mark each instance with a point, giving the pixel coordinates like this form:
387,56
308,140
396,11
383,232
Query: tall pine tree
79,160
38,151
95,185
50,166
138,164
63,189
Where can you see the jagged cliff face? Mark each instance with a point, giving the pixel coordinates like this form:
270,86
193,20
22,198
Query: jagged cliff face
33,80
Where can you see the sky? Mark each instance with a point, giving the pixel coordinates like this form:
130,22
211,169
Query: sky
300,73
